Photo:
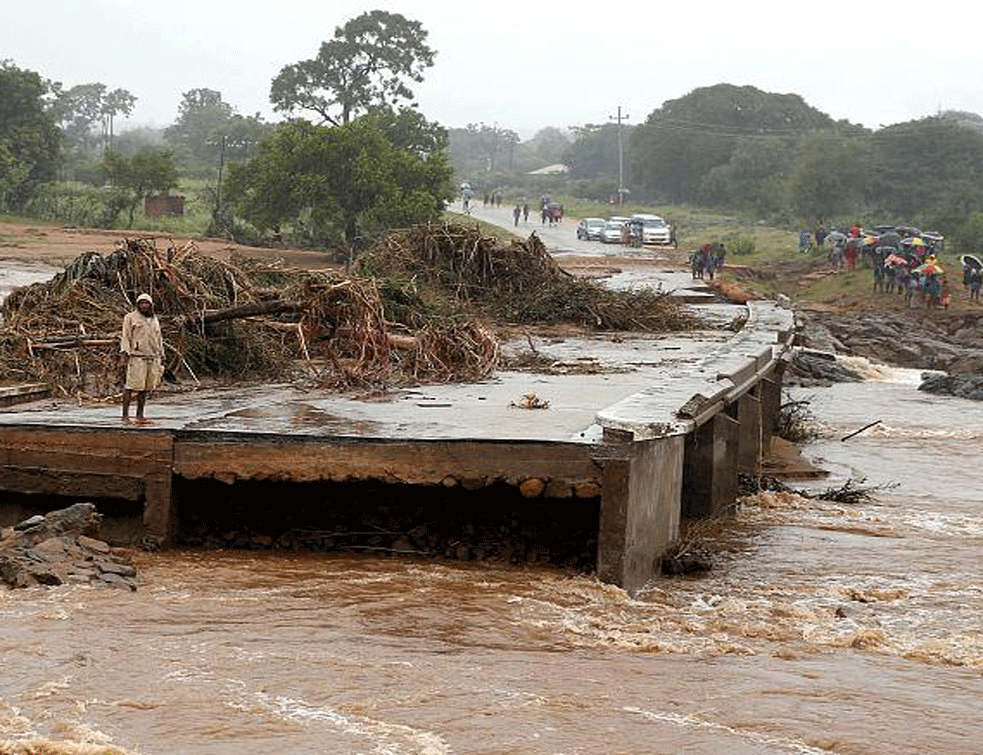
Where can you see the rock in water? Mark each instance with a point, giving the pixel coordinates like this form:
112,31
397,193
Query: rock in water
811,368
963,386
60,547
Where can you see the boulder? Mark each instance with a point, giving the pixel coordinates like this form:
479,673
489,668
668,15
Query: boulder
61,547
817,368
962,386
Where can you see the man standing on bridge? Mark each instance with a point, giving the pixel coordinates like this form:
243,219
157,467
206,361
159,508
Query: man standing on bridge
141,352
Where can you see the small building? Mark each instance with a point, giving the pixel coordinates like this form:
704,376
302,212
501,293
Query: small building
162,206
550,170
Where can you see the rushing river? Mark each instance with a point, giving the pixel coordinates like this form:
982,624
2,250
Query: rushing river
825,628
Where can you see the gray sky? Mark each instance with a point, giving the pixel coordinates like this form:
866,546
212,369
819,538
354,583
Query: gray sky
524,65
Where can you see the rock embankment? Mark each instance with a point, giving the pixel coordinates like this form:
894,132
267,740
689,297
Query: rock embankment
963,386
61,548
928,341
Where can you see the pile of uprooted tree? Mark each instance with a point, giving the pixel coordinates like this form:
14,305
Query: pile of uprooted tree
414,310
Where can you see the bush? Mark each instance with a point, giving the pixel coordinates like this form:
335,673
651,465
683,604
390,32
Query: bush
740,245
83,206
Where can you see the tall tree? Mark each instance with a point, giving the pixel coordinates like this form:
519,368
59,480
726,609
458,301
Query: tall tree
29,138
339,182
117,102
208,130
480,149
548,145
86,114
370,61
923,165
594,151
202,114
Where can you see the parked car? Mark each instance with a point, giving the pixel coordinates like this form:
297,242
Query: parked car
589,229
655,230
611,233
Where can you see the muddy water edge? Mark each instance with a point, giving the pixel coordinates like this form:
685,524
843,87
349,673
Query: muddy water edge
824,628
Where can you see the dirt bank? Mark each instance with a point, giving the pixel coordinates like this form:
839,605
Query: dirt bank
59,245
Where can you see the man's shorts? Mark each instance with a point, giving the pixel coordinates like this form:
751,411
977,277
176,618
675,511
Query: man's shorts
143,373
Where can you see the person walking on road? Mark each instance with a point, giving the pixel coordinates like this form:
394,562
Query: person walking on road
141,352
525,213
516,213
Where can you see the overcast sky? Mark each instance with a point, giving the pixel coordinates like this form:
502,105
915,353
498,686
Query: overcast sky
524,65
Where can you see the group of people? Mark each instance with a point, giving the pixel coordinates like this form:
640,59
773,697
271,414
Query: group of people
705,261
521,209
550,212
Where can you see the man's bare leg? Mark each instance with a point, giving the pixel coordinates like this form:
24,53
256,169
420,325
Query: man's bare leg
141,401
126,404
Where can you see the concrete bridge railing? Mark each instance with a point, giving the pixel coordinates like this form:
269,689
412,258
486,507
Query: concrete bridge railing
681,444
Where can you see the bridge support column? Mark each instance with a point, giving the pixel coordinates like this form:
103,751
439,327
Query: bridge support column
771,402
710,467
158,510
641,490
750,446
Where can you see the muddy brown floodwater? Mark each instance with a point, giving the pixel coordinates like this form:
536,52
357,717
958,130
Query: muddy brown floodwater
825,628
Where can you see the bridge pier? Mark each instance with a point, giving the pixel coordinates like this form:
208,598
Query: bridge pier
710,467
641,486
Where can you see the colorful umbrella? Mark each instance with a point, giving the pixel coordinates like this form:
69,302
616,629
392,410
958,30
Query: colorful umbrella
929,268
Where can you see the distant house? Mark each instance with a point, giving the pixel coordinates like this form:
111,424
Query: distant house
550,170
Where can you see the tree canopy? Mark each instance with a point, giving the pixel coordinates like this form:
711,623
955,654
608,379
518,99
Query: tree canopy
686,138
205,125
86,114
29,138
336,184
370,61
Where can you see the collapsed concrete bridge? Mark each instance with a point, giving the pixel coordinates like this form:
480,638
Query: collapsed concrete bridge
640,449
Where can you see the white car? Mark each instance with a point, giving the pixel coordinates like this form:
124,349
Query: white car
655,230
611,233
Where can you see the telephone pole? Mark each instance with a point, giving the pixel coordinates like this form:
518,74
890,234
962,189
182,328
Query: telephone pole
621,155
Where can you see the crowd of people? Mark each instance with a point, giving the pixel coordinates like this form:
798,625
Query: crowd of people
903,261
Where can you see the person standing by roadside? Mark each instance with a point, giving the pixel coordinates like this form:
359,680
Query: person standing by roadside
141,352
975,279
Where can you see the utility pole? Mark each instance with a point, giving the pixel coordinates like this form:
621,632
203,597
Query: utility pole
621,155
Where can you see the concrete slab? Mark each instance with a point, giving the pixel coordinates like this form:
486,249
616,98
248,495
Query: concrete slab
440,412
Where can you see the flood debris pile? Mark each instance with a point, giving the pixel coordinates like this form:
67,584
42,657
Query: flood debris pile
227,321
415,310
61,548
518,282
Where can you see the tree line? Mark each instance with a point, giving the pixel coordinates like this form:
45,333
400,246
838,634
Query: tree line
770,156
353,157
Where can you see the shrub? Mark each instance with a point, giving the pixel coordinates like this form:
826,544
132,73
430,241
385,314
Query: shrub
740,245
71,204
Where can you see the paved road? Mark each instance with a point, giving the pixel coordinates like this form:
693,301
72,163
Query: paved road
561,240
